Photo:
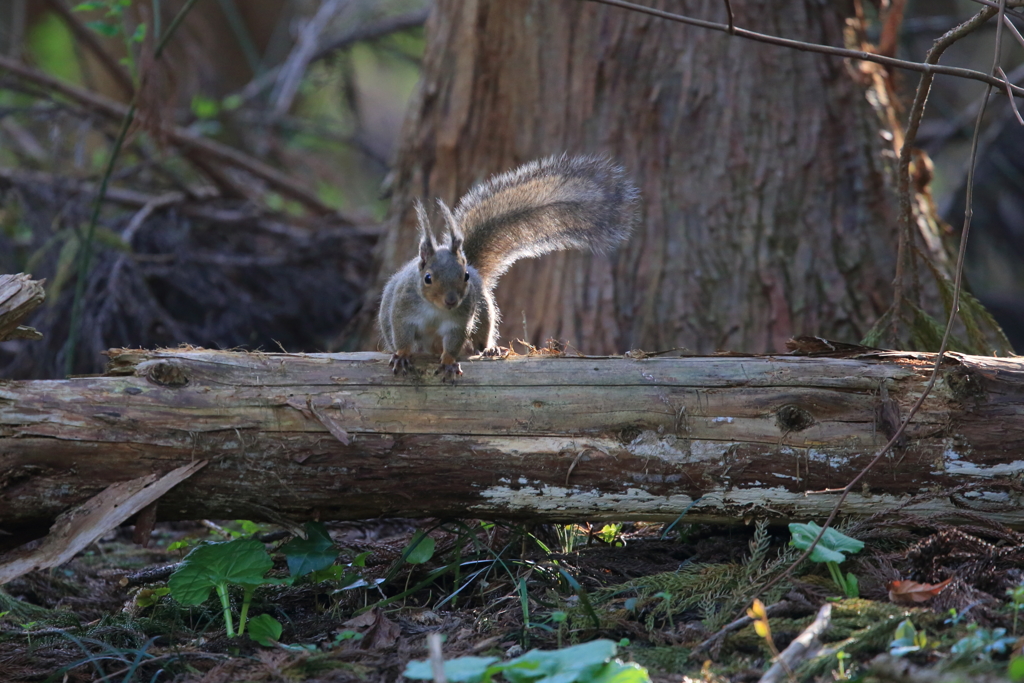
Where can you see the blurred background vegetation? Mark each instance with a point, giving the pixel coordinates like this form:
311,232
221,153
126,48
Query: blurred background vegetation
262,234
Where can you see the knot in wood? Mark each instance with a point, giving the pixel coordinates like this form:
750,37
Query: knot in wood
791,418
167,374
965,385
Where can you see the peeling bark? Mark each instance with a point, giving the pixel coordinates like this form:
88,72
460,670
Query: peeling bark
528,438
19,296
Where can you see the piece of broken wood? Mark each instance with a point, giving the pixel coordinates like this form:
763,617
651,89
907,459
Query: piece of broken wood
803,647
19,296
80,527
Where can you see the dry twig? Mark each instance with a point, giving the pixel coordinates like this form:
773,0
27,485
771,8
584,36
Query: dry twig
822,49
189,143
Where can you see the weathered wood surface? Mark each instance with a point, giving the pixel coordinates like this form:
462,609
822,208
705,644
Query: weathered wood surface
19,296
541,438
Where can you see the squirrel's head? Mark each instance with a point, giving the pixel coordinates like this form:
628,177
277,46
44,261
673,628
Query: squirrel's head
444,271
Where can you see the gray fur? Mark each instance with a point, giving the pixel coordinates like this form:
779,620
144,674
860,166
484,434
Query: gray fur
552,204
547,205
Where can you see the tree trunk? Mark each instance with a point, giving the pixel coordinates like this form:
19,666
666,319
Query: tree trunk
767,204
339,437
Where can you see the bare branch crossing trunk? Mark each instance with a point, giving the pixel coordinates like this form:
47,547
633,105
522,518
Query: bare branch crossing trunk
294,437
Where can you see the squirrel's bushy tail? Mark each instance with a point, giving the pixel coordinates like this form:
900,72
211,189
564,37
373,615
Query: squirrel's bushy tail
552,204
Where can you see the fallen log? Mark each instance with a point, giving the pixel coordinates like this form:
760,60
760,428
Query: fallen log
336,436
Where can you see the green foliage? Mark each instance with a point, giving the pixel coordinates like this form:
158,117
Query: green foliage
314,553
147,597
592,662
984,335
861,629
420,549
215,566
110,25
1016,669
983,642
52,47
1016,595
611,534
717,591
907,639
205,107
570,537
265,630
830,550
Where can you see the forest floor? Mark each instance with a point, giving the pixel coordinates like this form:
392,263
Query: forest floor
369,593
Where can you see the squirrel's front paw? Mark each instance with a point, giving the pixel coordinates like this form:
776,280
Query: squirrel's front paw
496,352
400,363
448,372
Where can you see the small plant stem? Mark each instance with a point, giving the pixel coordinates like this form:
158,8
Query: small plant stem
222,593
246,601
85,249
157,24
837,576
173,27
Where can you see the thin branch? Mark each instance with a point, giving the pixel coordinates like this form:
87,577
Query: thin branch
1013,29
732,20
362,33
906,217
294,67
181,138
822,49
964,116
1013,103
85,248
995,5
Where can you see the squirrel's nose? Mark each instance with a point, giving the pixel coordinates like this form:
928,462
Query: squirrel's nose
450,299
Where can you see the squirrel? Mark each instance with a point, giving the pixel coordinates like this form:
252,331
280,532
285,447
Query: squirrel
443,300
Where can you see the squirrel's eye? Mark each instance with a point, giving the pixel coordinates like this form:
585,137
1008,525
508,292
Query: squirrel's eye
467,276
426,278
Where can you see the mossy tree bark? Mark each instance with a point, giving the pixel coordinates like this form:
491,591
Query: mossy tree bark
768,209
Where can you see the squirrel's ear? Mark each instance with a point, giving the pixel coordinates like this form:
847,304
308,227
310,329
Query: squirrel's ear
427,246
453,229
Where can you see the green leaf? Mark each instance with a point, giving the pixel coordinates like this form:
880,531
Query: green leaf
334,574
580,662
420,548
618,672
231,102
242,562
140,34
1016,670
87,7
204,107
906,631
147,597
310,554
265,629
851,587
830,548
103,28
460,670
587,663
